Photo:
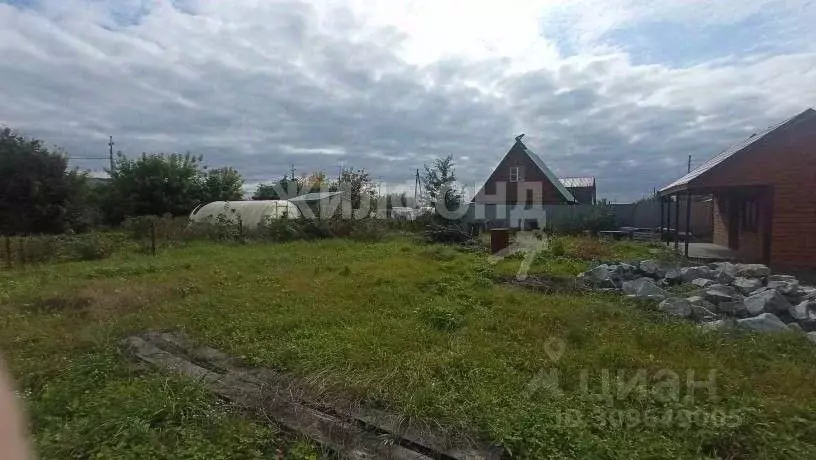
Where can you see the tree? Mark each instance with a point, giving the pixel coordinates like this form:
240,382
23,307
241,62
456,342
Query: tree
439,182
359,187
316,182
285,188
158,184
36,189
222,184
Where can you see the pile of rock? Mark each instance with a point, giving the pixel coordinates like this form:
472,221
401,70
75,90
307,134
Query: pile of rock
724,294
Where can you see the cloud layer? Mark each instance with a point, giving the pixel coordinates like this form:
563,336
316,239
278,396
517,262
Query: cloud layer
600,88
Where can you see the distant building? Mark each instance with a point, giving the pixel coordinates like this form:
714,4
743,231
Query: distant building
582,188
764,194
520,187
522,177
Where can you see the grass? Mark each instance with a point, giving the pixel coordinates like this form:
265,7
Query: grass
426,331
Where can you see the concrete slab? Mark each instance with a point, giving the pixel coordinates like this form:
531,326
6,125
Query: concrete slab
708,252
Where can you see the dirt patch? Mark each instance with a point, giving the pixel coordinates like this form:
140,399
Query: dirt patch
59,304
99,300
548,284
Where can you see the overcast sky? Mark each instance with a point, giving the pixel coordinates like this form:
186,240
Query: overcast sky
623,90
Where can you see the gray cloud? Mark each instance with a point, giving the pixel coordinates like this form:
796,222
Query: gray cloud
263,88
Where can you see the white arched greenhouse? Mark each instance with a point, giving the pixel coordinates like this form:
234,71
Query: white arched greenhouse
250,214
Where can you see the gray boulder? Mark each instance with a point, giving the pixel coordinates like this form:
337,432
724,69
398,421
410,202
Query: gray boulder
788,288
720,324
719,293
768,301
627,272
766,322
732,308
762,289
675,307
811,336
781,278
746,285
808,292
600,276
752,270
703,314
795,327
702,282
651,268
804,310
724,272
643,288
688,274
673,276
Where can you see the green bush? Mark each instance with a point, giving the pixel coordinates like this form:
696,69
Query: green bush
90,248
447,233
557,247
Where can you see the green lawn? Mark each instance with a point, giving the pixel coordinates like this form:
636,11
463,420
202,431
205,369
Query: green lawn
426,331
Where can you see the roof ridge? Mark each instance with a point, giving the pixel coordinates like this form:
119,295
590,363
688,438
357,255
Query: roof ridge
547,172
735,148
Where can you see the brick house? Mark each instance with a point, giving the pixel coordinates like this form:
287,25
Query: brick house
517,189
764,194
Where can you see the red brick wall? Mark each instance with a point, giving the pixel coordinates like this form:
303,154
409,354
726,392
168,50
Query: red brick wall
499,189
787,164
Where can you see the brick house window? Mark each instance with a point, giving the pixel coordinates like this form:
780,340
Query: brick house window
529,200
749,215
516,174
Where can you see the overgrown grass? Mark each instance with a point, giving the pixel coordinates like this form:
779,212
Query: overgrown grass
421,330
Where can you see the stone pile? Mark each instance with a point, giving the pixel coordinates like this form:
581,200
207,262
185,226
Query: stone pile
722,294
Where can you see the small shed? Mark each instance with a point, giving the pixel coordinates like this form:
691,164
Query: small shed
763,190
250,214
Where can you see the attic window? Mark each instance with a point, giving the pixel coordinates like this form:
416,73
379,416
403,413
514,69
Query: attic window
515,174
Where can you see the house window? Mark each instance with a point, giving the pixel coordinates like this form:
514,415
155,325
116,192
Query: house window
515,174
529,200
749,215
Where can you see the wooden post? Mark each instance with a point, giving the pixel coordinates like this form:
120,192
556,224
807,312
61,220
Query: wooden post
8,251
662,203
677,222
21,250
153,237
668,219
688,220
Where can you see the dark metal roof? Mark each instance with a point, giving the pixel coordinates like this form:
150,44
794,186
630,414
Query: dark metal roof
571,182
550,176
729,152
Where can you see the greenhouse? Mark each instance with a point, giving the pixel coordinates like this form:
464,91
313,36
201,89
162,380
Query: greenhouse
250,214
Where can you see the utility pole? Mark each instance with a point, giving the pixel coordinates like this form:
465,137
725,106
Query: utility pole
689,164
110,153
416,188
340,172
293,172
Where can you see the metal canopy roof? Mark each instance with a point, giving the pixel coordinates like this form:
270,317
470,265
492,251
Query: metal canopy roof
571,182
680,184
317,196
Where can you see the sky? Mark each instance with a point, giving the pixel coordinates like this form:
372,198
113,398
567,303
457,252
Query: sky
622,90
